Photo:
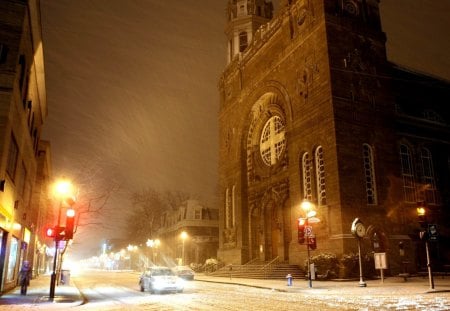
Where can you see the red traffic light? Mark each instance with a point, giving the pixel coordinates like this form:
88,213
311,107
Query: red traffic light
70,222
55,232
50,232
301,230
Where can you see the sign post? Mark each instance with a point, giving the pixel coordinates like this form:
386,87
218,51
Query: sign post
380,263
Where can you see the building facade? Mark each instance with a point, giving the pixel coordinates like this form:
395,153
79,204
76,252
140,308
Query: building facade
311,109
24,159
199,241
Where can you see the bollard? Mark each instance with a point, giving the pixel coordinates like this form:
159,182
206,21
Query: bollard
289,279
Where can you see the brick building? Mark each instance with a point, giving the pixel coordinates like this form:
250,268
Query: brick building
311,109
200,242
24,158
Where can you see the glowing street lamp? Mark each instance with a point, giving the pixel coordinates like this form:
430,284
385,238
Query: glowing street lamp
308,208
421,214
183,236
153,244
62,190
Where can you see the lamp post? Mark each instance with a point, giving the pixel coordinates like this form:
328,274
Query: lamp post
424,236
183,238
359,231
131,249
153,244
62,190
308,207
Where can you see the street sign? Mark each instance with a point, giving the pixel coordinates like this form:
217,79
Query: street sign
432,232
308,231
380,260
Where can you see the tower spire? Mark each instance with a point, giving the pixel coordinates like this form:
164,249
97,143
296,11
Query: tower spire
244,18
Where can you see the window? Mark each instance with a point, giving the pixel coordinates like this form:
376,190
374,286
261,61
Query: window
3,53
243,41
22,64
409,184
320,177
12,261
198,214
12,158
369,174
306,173
272,141
428,176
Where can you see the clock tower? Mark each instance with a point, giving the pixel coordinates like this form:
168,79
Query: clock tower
244,19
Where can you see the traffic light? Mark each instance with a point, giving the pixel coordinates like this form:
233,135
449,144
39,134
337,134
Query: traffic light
312,242
301,230
70,221
50,232
56,233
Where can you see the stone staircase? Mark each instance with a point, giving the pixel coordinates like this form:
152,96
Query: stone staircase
260,270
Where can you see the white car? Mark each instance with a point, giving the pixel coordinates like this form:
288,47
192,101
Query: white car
160,279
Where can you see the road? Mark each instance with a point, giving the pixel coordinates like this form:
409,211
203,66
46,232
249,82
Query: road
104,290
120,291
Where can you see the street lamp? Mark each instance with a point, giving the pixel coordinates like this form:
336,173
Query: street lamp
62,190
424,236
308,207
184,236
153,244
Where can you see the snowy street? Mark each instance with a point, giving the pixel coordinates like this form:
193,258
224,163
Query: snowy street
120,291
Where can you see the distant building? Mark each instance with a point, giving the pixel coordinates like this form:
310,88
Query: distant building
201,225
24,158
311,109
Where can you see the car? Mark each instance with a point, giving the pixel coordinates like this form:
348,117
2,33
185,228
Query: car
160,279
184,272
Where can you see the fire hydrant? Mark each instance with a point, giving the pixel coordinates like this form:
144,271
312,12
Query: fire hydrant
289,279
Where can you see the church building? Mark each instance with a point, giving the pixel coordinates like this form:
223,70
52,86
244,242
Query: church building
311,110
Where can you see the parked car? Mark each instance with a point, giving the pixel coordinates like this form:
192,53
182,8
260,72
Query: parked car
184,272
160,279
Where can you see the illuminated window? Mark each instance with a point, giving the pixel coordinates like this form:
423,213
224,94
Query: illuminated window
320,176
307,175
409,184
369,174
272,141
12,261
428,176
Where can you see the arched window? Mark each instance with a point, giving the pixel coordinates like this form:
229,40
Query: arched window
272,142
409,184
369,174
243,41
306,174
320,177
428,176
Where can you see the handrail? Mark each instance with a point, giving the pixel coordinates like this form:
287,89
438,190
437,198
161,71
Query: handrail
251,261
269,266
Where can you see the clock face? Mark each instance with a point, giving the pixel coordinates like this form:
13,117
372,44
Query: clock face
360,230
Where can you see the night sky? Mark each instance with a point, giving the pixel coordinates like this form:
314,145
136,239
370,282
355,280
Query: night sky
132,90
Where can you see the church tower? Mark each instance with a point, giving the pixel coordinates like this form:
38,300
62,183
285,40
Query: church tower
307,113
244,18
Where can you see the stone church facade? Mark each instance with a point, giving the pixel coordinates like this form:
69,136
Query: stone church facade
311,109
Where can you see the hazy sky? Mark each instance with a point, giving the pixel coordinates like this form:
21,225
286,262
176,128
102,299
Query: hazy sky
132,86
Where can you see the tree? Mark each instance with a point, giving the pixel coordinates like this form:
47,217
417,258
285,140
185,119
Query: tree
148,206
